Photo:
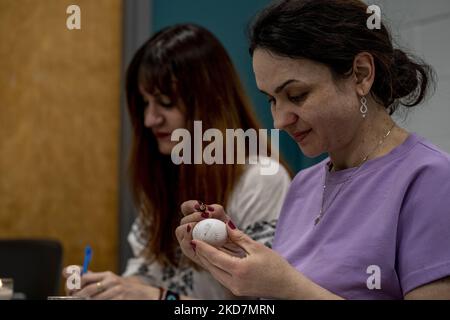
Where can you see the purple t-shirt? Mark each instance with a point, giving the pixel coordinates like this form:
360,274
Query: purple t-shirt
385,233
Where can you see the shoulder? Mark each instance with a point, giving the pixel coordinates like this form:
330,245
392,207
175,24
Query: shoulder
434,155
426,175
426,159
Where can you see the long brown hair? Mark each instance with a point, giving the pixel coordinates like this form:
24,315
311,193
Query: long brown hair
188,64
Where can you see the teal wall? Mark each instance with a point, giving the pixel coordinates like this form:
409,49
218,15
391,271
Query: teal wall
228,20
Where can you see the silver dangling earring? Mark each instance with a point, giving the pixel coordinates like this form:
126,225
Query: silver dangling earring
363,109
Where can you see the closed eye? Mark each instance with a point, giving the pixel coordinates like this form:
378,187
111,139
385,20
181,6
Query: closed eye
165,104
164,101
270,100
298,99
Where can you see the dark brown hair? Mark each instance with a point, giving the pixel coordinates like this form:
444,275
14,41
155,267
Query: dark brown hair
189,65
333,32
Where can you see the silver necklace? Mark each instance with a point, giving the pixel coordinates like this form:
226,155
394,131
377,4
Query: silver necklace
322,209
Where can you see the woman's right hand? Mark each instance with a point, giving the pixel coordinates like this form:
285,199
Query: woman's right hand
192,215
109,286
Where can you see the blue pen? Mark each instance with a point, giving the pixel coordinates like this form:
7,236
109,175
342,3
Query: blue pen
87,258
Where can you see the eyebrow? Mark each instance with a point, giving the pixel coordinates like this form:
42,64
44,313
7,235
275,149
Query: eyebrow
282,86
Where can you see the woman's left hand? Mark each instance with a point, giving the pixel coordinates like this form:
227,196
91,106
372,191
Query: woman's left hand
261,273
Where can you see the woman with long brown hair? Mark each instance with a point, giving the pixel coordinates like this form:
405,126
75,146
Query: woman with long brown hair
180,75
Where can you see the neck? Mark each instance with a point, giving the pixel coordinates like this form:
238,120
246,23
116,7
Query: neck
365,141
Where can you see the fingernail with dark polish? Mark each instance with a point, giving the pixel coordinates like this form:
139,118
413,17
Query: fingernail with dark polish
193,245
210,209
188,228
231,224
197,207
205,215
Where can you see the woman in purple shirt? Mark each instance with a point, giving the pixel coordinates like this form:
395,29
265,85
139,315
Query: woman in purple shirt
373,220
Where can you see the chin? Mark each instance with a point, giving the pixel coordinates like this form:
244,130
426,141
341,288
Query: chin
310,152
165,149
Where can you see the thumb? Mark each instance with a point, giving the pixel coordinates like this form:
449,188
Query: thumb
239,238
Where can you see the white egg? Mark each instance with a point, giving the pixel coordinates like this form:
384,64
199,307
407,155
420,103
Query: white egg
211,231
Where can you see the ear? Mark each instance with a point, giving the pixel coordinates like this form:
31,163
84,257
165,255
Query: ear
363,73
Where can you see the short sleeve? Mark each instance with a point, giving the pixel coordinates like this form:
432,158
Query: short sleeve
423,237
256,202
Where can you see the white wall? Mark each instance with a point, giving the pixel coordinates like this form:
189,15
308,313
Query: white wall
424,28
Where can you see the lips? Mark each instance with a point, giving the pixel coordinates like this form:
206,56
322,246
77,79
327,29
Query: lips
301,135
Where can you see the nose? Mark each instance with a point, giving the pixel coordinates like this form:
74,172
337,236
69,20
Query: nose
283,118
152,117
